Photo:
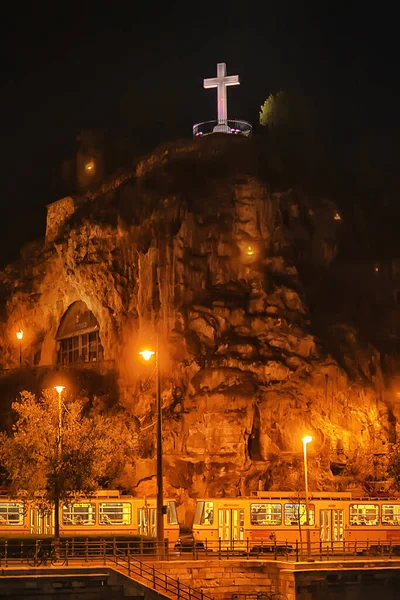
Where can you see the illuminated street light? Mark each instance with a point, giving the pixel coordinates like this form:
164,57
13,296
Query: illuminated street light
306,440
59,389
20,335
147,354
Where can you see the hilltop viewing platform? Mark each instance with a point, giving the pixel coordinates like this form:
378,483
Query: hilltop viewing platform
231,126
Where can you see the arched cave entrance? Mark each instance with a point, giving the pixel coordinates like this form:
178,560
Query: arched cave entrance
78,336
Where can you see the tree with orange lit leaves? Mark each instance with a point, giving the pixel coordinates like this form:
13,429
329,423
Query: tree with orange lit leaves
393,469
49,469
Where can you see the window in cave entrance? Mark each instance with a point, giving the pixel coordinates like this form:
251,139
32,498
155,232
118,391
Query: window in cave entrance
78,336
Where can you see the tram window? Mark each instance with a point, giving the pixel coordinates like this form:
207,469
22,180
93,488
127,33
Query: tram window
364,514
390,514
204,514
207,518
172,517
11,513
115,513
79,514
199,512
294,512
266,514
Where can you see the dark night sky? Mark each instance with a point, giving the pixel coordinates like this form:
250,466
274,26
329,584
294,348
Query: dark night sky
142,69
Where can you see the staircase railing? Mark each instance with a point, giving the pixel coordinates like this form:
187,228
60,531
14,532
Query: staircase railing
158,580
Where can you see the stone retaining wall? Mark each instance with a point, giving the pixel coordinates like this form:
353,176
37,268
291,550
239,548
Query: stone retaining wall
225,580
222,580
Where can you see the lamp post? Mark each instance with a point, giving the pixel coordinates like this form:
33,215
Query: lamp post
59,389
20,335
147,354
306,440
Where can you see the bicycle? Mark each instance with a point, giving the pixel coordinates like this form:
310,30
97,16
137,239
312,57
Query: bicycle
39,556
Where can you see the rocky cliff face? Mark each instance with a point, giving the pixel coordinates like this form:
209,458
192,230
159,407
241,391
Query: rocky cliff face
195,248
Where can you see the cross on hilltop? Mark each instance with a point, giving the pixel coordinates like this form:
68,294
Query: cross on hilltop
221,82
223,125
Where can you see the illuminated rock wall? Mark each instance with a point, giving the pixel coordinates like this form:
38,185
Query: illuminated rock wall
196,246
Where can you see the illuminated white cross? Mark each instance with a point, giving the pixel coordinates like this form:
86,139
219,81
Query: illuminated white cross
221,81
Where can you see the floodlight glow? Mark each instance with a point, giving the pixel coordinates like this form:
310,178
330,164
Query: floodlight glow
147,354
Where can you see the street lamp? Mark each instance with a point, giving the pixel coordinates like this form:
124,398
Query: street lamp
306,440
59,389
147,354
20,335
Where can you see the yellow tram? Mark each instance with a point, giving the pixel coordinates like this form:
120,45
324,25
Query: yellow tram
269,516
107,512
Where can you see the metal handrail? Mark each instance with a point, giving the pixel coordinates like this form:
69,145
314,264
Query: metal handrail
230,126
160,581
87,550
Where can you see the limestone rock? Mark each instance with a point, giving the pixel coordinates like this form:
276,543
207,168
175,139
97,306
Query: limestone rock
196,249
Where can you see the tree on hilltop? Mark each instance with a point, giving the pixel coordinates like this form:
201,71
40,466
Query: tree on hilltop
275,111
298,133
286,111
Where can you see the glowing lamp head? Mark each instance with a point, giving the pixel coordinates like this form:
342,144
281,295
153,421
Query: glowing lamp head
20,334
147,354
250,251
306,439
59,388
89,167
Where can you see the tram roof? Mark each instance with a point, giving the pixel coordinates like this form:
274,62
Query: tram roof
299,496
295,496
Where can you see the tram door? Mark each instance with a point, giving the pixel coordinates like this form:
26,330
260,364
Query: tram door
331,524
147,519
41,523
231,525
